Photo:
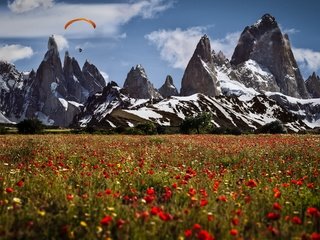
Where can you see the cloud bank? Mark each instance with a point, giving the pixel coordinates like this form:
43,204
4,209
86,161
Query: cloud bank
12,53
177,46
42,18
308,60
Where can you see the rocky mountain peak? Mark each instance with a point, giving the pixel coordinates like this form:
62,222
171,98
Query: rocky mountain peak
200,75
313,85
265,44
137,84
52,45
168,89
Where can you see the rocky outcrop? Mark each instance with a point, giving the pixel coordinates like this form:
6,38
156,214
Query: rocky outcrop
200,75
54,93
313,85
168,89
265,44
138,86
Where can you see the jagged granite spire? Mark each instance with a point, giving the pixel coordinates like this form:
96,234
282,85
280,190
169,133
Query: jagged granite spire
168,89
313,85
138,86
200,75
264,43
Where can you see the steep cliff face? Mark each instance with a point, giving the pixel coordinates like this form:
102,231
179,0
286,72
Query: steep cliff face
313,85
53,94
168,89
138,86
200,75
265,44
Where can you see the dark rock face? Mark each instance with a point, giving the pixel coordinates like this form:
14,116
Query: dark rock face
53,94
313,85
168,89
200,75
13,89
264,43
138,86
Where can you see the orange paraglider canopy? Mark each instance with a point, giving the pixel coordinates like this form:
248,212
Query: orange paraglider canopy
79,19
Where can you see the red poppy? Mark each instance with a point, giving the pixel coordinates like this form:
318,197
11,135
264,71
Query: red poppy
155,210
188,233
222,198
296,220
277,206
315,236
251,183
312,211
273,216
108,191
9,190
70,197
106,220
120,223
196,227
20,183
204,235
235,221
192,191
203,202
150,191
165,216
234,232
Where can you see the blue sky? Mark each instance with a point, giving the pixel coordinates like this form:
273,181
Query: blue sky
161,35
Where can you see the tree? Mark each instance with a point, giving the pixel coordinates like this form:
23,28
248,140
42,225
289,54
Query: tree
201,122
30,126
272,127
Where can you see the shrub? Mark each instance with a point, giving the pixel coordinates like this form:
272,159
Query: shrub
201,123
30,126
3,130
272,127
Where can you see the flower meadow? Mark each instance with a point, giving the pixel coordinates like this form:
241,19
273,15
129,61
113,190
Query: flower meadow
159,187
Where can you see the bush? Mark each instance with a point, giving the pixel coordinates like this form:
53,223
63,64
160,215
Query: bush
272,127
201,123
30,126
3,130
147,128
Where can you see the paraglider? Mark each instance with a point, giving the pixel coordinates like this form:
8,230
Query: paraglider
80,19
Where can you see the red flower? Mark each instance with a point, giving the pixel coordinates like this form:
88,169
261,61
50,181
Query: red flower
165,216
70,197
150,191
310,185
196,227
188,233
120,223
235,221
234,232
273,230
9,190
204,235
222,198
216,186
106,220
251,183
312,211
108,191
277,206
20,183
273,216
296,220
315,236
192,192
203,202
277,193
155,210
149,198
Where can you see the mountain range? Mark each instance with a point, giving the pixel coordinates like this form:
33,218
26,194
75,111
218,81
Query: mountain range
261,83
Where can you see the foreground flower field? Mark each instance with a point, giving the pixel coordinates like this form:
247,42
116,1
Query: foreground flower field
159,187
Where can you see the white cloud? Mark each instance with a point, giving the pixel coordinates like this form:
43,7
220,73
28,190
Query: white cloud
20,6
47,21
151,8
307,58
105,76
177,46
12,53
291,31
226,44
62,42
